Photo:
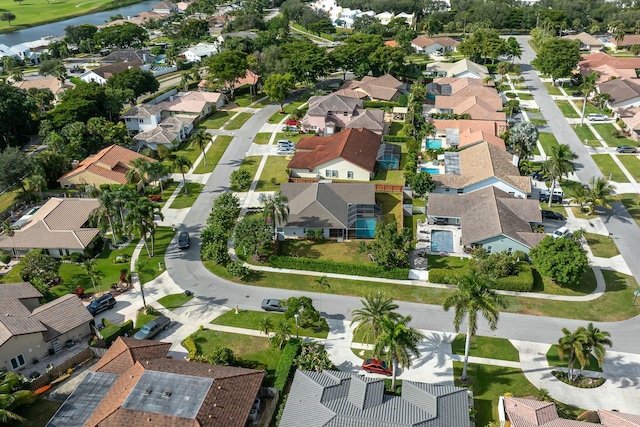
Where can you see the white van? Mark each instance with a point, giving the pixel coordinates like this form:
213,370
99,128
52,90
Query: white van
561,232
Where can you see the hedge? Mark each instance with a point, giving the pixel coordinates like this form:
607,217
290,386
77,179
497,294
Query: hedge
324,266
285,364
394,138
111,333
190,345
379,104
523,282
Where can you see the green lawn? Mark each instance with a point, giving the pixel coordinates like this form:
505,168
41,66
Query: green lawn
591,109
186,200
391,204
547,140
553,90
554,360
29,14
605,129
395,128
538,122
190,151
632,165
584,133
251,164
247,99
525,96
38,413
216,120
488,347
6,200
288,109
143,318
412,222
291,136
324,249
252,350
214,154
631,201
251,320
567,109
392,176
274,173
608,167
237,121
602,246
585,286
173,301
262,138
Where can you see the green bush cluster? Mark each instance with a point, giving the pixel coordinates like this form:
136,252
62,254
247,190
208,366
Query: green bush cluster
325,266
289,353
112,332
395,138
190,345
562,376
379,104
522,282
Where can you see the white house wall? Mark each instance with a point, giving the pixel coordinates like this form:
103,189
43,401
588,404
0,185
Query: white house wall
340,165
493,181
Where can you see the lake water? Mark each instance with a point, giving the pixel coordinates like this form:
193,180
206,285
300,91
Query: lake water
57,28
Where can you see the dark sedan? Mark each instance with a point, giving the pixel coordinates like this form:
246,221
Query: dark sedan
552,215
273,305
556,198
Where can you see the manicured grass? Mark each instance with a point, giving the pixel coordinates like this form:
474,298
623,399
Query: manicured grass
262,138
142,319
324,249
538,122
584,133
238,120
631,201
275,167
38,413
525,96
567,109
553,90
6,200
395,128
602,246
605,129
632,165
251,320
547,140
173,301
362,354
488,347
554,360
216,120
591,109
214,154
251,349
251,164
395,177
29,14
291,136
167,190
288,109
186,200
391,204
608,167
412,222
247,99
585,285
190,151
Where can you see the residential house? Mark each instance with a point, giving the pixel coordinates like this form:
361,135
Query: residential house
170,132
164,7
409,18
347,155
21,52
326,114
385,17
100,75
142,117
340,210
109,166
383,88
250,78
479,166
135,384
127,55
391,43
29,330
466,96
427,45
347,16
631,118
194,104
587,41
243,34
490,218
199,51
609,67
346,399
140,19
628,41
461,69
54,85
465,133
624,93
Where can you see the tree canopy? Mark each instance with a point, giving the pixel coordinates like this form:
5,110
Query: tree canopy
561,259
228,66
557,57
17,111
278,87
14,167
391,248
123,36
135,79
38,265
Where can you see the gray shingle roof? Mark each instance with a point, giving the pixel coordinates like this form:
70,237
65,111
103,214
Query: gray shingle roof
342,399
62,315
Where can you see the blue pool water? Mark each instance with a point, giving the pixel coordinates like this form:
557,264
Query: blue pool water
365,228
433,143
432,171
441,241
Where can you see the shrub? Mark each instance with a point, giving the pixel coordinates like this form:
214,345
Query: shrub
522,282
111,332
510,95
289,353
324,266
190,346
395,138
403,100
5,258
76,257
579,382
379,104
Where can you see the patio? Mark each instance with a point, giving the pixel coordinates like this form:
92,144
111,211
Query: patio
57,359
424,243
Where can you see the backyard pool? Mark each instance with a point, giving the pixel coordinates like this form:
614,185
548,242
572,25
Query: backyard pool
441,241
432,171
365,228
433,143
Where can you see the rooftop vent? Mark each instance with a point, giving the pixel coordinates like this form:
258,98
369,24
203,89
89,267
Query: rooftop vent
166,394
148,391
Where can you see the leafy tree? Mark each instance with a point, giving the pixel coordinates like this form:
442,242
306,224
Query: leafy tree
303,306
265,325
75,34
375,307
355,52
511,106
7,17
600,193
313,357
221,356
423,183
123,36
88,100
227,66
138,172
14,167
574,344
523,137
559,164
278,87
386,59
238,269
513,49
104,214
182,164
307,61
250,235
37,264
94,274
563,260
397,342
322,25
497,264
241,179
391,248
226,208
12,397
363,21
17,111
139,81
482,45
275,209
473,297
557,57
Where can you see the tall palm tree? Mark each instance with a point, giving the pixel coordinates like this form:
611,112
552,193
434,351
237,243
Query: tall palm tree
375,307
140,219
589,85
200,139
596,340
157,171
265,325
275,209
182,164
139,171
282,333
184,81
573,343
600,193
37,182
559,164
473,297
8,230
11,397
94,274
397,342
121,196
104,212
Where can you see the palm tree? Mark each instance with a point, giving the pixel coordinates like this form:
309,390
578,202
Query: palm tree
397,342
543,395
157,171
11,398
265,325
37,182
323,282
473,297
376,306
182,164
596,340
8,230
140,219
184,81
599,194
276,209
139,171
601,99
573,343
121,196
200,139
95,275
282,333
589,84
559,164
487,80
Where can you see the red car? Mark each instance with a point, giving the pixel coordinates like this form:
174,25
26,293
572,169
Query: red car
292,122
376,366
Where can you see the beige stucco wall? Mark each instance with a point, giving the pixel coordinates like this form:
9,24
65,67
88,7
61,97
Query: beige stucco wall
342,166
84,178
75,334
30,345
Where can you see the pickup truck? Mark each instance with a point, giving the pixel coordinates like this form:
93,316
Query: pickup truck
149,330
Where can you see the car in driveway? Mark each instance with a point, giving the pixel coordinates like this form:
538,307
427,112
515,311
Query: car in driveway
291,122
540,176
150,329
100,304
376,366
285,151
184,241
626,149
597,117
560,232
273,305
552,215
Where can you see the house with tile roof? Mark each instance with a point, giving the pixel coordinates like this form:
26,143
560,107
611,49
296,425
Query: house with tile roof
126,55
465,133
624,93
135,384
609,67
101,74
29,330
628,41
108,166
195,104
165,7
490,218
327,114
199,51
347,155
170,132
631,118
427,45
383,88
587,41
466,96
59,227
462,68
345,399
480,166
340,210
53,84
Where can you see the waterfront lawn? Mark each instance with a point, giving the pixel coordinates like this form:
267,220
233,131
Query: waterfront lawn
608,166
249,319
274,173
29,14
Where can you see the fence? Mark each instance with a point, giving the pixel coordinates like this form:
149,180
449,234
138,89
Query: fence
61,369
379,188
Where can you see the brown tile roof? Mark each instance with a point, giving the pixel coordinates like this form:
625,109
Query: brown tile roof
62,315
446,41
357,146
349,93
321,105
608,66
109,70
628,40
618,419
391,43
124,352
384,87
368,119
250,78
630,116
14,316
51,83
620,90
490,127
423,41
468,138
586,39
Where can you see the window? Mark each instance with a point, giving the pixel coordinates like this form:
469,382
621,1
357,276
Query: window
18,361
327,173
128,119
446,190
488,249
460,191
334,173
350,174
46,251
329,113
510,251
314,127
141,120
345,114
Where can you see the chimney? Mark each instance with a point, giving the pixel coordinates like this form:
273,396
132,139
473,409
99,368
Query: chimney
74,164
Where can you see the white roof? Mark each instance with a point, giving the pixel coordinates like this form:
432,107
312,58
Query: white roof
385,15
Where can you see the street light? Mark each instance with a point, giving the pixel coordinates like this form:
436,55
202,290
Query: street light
296,317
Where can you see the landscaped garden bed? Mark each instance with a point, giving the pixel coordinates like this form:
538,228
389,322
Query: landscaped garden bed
581,381
249,319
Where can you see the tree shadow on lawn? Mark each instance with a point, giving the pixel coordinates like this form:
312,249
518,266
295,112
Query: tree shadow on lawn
301,248
253,276
70,284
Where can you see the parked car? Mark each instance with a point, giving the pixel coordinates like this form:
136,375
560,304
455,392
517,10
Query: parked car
273,305
597,117
76,70
626,149
576,93
376,366
556,198
552,215
101,304
285,151
540,176
292,122
560,232
282,143
184,241
150,329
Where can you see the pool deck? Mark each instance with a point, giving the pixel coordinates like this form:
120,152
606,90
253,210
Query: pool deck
423,244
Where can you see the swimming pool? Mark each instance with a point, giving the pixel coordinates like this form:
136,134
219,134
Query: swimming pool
441,241
365,228
432,171
433,143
